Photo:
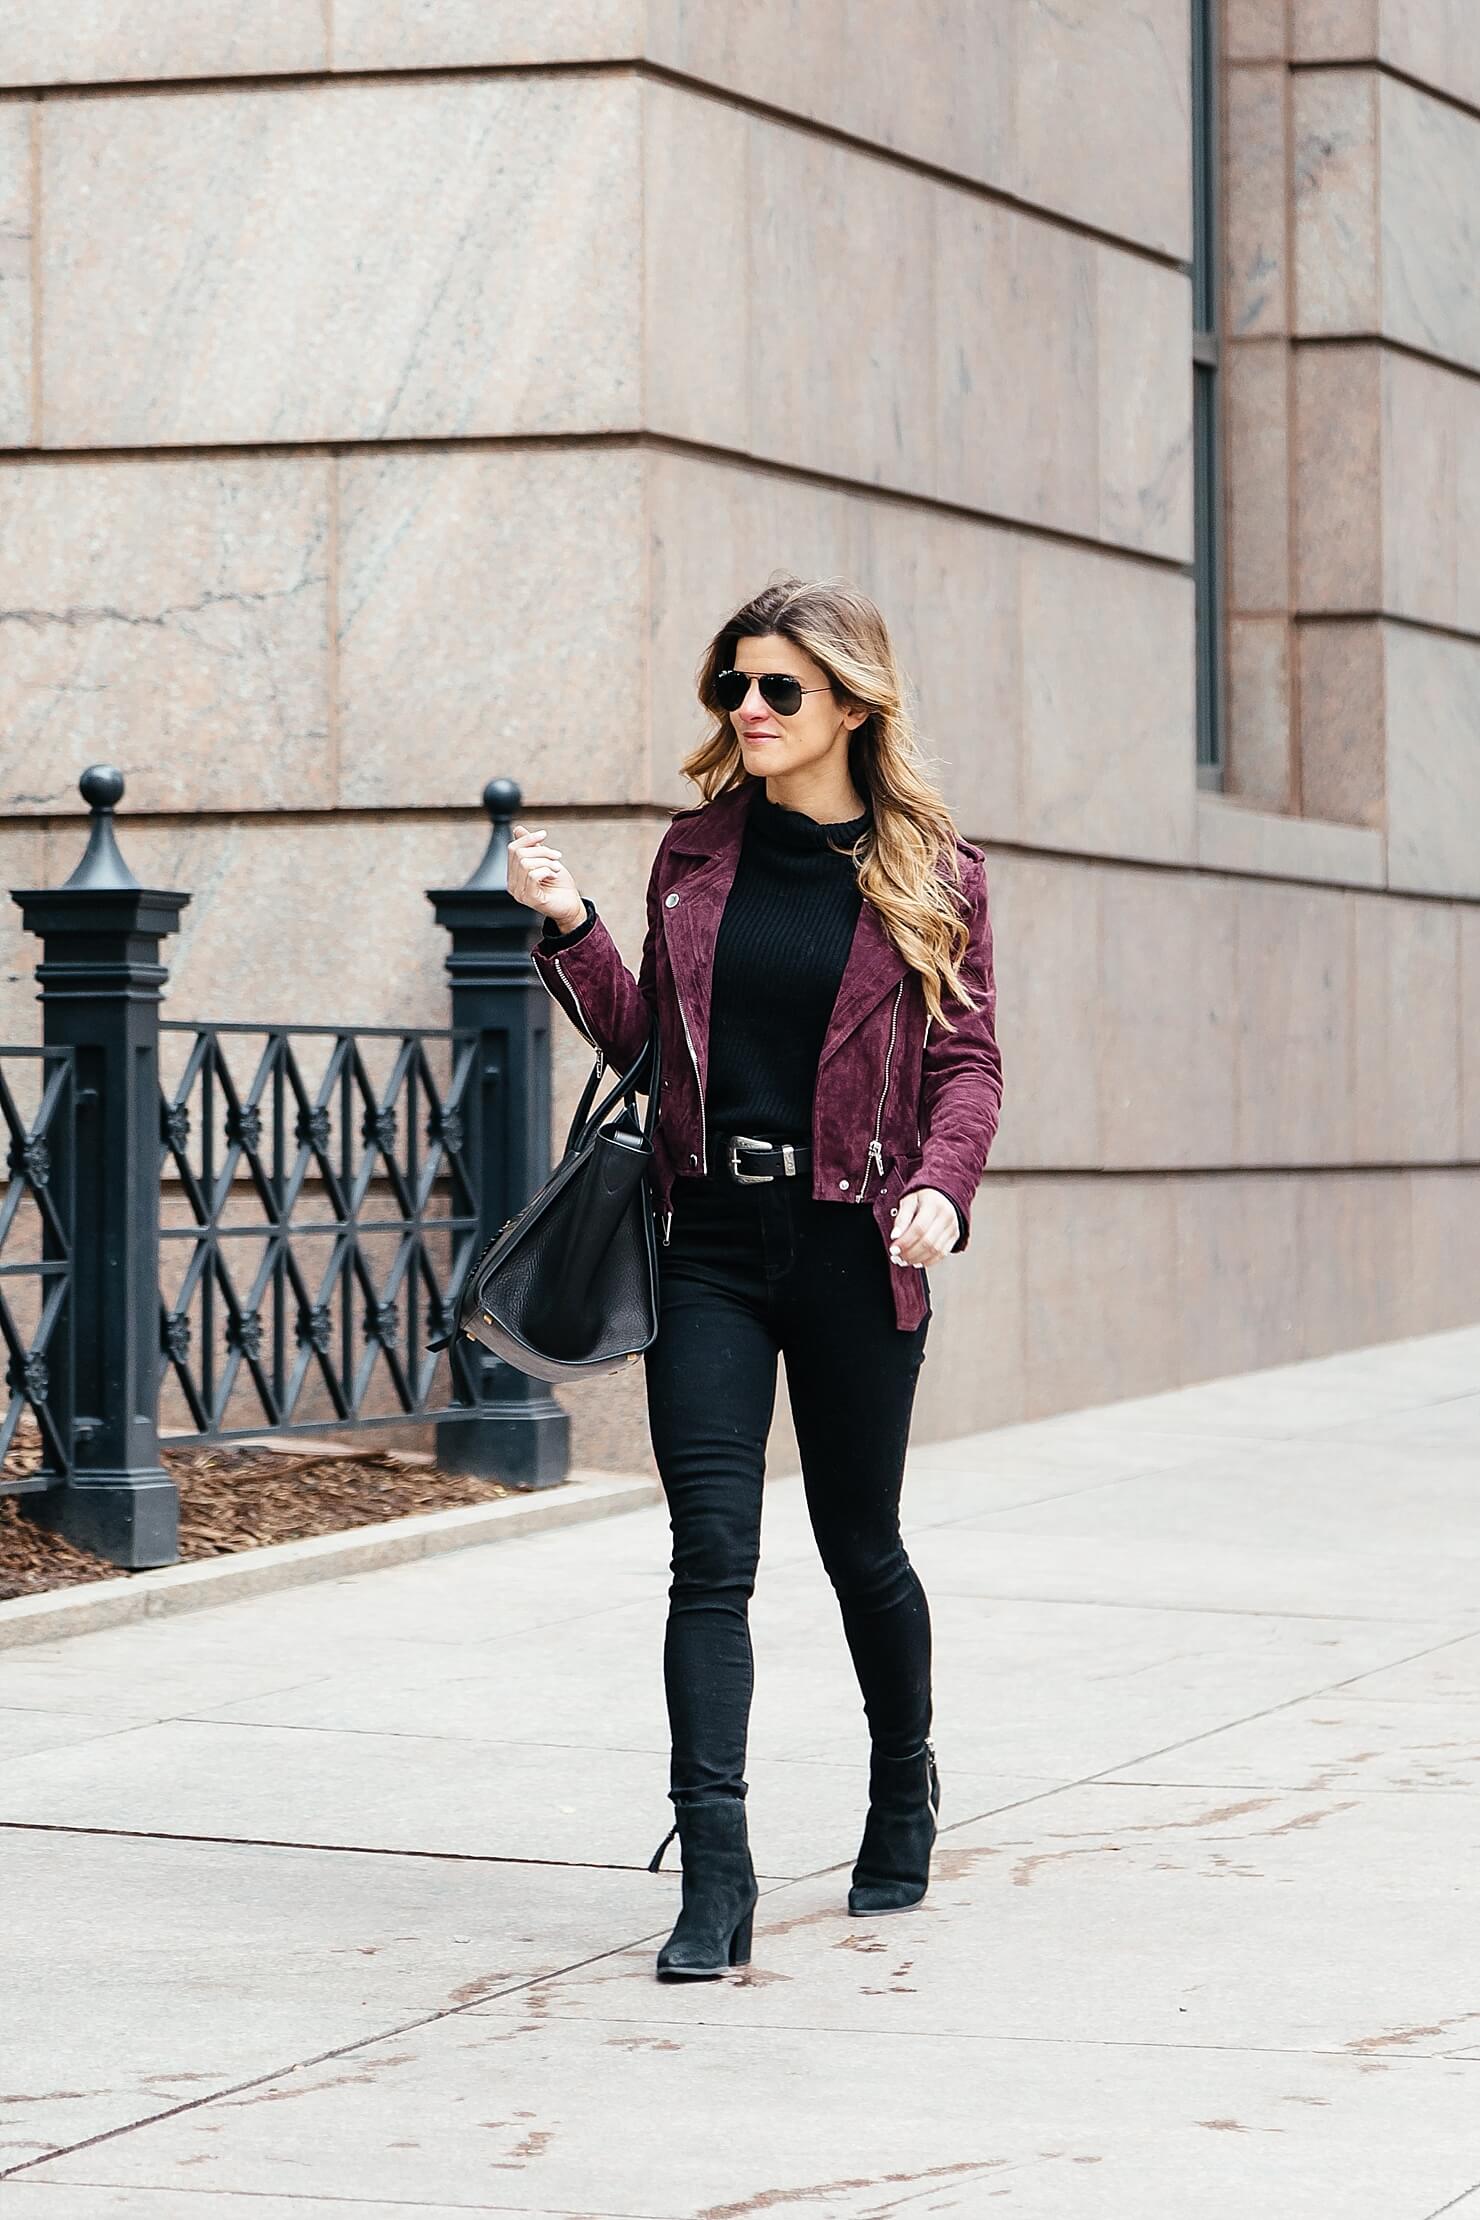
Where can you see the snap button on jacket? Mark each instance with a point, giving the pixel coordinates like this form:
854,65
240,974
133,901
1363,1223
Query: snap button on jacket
899,1102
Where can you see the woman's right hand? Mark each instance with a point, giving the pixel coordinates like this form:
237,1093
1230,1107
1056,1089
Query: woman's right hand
539,879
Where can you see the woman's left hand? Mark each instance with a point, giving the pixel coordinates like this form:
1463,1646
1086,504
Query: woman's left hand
926,1228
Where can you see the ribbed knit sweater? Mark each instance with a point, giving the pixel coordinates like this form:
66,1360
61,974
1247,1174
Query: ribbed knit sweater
782,948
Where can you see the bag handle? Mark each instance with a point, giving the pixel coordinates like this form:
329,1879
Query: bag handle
586,1120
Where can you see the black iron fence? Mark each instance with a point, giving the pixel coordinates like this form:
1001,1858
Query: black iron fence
328,1209
213,1230
36,1108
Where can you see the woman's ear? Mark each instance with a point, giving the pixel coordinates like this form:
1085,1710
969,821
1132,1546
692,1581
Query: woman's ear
855,715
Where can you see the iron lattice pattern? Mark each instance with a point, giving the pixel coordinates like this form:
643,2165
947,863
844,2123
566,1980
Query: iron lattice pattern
318,1211
37,1105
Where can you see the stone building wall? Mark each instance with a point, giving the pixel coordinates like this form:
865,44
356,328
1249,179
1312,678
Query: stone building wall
391,395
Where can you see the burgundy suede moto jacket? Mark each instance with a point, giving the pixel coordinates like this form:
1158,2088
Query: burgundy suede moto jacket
899,1103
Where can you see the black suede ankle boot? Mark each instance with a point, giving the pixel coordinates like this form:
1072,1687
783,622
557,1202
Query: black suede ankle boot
719,1892
893,1868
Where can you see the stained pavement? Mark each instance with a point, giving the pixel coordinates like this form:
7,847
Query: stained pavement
332,1904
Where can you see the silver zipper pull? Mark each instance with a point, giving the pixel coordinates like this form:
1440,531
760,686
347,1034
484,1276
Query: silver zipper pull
878,1156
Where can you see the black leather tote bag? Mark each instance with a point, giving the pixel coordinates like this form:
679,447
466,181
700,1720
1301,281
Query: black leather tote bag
569,1285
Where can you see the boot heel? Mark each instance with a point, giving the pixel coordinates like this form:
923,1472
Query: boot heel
740,1941
719,1893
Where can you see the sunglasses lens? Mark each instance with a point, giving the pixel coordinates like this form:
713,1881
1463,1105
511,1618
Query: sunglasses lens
784,694
779,691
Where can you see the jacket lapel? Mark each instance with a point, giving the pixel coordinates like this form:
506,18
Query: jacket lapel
873,967
691,926
713,836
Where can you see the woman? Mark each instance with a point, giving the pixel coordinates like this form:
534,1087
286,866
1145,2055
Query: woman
819,960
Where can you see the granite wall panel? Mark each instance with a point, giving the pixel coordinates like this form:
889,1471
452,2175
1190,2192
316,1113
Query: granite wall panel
1406,1031
1387,179
96,41
467,34
1266,844
1039,102
171,617
1048,933
1358,1280
1104,127
699,291
1100,1295
1255,220
1431,40
1293,956
485,627
1338,286
1343,737
1237,1275
22,863
1255,30
1430,192
1426,422
1257,491
1143,316
1444,1289
16,126
1165,1003
1434,41
430,259
1339,522
837,385
1258,765
1469,1033
1107,705
1433,762
1333,30
1017,384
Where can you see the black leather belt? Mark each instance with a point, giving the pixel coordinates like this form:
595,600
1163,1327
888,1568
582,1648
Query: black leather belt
762,1160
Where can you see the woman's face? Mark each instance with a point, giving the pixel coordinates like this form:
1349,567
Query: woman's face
770,743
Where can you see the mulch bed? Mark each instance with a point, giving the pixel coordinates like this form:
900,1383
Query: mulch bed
235,1498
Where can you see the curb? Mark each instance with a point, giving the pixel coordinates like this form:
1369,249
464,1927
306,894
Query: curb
167,1589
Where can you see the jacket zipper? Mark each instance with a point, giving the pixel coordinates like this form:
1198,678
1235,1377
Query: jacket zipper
575,998
875,1157
698,1082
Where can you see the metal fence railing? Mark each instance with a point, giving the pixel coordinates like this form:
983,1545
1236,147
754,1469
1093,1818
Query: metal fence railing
211,1230
37,1106
324,1211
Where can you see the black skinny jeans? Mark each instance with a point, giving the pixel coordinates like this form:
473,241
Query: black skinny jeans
750,1272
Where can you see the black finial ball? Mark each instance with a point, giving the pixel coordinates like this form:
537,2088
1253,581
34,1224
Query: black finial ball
503,799
101,787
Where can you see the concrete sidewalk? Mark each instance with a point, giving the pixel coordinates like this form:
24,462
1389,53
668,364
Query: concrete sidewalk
331,1904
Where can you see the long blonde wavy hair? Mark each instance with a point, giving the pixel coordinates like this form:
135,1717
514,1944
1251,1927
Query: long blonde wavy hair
909,866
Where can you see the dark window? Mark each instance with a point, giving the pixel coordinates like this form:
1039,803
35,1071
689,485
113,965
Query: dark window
1206,442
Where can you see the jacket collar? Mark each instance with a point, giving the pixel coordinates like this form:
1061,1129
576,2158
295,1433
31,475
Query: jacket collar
713,828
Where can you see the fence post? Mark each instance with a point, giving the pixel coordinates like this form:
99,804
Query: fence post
517,1432
100,978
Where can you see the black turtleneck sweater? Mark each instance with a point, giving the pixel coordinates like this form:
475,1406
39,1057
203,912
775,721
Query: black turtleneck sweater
778,960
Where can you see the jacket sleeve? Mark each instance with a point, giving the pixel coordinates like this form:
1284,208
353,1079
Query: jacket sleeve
583,971
961,1079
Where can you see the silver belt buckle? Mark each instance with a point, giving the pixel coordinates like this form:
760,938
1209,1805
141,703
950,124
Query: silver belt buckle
747,1179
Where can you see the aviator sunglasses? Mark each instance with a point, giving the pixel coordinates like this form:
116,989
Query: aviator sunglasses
779,690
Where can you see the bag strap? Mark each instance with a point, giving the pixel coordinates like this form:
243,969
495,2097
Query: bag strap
586,1120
